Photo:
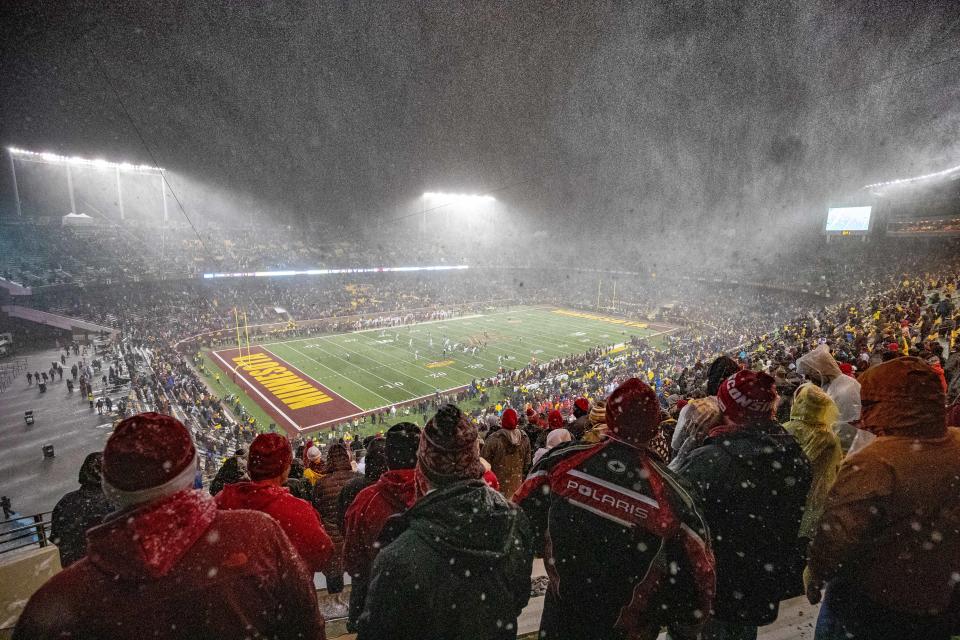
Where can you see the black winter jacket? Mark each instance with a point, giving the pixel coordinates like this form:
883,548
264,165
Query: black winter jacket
754,483
612,522
455,565
78,511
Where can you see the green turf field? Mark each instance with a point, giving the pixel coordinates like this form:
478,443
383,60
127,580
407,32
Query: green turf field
377,368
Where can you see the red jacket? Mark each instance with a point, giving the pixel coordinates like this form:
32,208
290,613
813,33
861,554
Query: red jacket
181,568
299,520
393,493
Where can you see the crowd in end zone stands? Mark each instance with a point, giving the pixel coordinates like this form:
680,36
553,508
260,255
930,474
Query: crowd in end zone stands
761,455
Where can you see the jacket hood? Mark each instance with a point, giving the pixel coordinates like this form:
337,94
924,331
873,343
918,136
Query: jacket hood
510,437
338,459
903,397
467,520
145,543
813,406
91,470
249,495
820,362
398,487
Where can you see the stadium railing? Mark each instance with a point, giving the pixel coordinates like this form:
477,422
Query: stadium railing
19,532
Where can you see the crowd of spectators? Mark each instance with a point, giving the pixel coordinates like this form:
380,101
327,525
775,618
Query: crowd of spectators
676,411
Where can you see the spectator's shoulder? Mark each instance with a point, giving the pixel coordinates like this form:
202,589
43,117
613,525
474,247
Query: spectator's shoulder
710,456
403,555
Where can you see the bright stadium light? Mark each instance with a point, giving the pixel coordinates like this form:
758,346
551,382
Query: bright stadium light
330,272
45,157
903,181
458,198
53,158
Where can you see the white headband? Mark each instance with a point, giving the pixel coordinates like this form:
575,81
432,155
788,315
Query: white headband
122,499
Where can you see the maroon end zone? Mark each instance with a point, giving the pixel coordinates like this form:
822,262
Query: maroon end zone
293,399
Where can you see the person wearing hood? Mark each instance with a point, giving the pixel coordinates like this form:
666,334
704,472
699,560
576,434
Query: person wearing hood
694,421
554,439
392,493
888,545
375,465
457,563
168,561
812,416
820,367
614,524
697,418
234,469
337,473
754,479
268,465
78,511
508,452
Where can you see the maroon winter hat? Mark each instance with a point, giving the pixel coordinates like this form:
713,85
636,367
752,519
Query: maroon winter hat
633,412
532,417
747,396
145,451
582,405
509,420
555,419
270,456
448,450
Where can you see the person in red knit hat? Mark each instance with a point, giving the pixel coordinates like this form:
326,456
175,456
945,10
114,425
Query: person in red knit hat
268,465
169,561
394,492
508,451
754,479
610,515
581,415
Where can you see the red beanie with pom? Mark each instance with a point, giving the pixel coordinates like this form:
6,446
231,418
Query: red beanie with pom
509,420
633,412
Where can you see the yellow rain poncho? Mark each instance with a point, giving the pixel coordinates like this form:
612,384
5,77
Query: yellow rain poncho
811,421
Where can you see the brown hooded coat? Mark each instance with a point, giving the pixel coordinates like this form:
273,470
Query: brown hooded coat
891,525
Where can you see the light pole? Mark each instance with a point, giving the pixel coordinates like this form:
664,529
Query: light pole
16,191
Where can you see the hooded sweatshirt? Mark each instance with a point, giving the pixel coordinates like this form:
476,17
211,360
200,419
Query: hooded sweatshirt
455,565
394,492
298,518
891,522
182,568
811,418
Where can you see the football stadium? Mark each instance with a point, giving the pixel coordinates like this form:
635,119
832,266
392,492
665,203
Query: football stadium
310,383
480,320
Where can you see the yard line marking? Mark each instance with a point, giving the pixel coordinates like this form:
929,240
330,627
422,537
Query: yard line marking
381,364
347,378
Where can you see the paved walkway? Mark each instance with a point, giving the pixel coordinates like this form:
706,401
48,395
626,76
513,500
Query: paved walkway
33,483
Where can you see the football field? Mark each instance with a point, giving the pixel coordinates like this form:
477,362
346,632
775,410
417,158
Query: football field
311,383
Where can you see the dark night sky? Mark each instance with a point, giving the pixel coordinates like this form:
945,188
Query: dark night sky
740,114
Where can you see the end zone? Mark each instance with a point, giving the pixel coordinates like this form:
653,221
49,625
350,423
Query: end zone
296,401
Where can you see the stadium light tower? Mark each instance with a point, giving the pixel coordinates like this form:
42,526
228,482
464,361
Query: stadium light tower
75,161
